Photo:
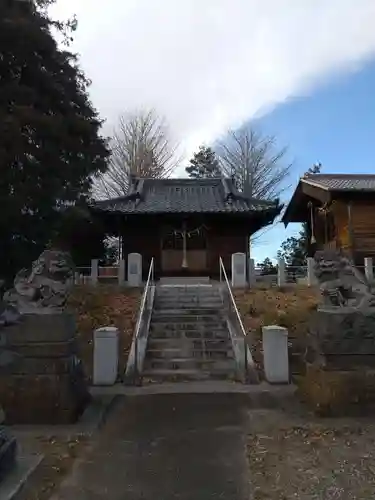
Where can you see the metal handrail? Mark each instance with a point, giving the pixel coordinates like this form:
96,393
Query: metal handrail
150,279
242,328
147,288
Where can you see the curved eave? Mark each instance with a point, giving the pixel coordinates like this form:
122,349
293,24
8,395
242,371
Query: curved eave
269,213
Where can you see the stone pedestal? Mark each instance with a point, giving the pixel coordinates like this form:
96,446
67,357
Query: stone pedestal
45,382
8,452
275,354
340,362
8,449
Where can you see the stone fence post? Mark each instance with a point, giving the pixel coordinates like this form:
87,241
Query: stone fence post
238,270
94,271
369,270
252,275
311,280
121,272
281,272
275,354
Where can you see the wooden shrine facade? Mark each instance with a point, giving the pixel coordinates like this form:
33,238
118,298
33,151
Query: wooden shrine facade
185,224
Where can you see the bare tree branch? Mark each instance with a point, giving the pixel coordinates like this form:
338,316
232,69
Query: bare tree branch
254,162
140,146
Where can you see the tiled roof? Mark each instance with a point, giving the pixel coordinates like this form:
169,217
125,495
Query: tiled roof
341,182
156,196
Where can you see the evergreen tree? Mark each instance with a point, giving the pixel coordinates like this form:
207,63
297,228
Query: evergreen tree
50,146
267,267
204,164
294,250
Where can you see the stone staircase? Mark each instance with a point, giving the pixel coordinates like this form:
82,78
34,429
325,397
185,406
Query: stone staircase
188,337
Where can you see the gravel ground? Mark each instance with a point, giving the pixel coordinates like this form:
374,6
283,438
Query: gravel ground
291,455
306,458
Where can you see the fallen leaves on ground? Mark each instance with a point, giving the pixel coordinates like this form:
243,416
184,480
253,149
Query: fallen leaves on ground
58,457
104,305
312,462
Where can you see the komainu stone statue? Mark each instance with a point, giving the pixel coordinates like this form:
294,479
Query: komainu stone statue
340,344
41,376
45,287
342,285
344,323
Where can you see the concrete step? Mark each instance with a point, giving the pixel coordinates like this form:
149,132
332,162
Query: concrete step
184,280
210,326
184,374
188,296
195,353
182,310
188,300
210,365
188,290
189,325
162,344
177,333
180,317
187,331
191,295
187,304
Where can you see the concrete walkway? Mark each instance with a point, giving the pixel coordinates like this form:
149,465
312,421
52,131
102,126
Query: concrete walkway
164,447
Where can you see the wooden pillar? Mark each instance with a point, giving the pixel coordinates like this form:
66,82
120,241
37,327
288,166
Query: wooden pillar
312,230
350,230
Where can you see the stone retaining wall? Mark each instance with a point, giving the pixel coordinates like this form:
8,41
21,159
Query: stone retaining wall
45,383
339,393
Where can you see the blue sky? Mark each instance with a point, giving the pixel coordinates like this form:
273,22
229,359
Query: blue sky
334,125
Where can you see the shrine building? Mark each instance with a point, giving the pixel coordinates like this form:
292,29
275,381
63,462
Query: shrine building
186,225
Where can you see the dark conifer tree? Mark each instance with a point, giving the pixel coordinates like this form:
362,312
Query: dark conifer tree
50,143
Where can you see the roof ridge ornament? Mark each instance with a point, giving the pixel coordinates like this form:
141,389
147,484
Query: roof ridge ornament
228,189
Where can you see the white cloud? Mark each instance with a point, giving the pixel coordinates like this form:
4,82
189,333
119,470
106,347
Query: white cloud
211,64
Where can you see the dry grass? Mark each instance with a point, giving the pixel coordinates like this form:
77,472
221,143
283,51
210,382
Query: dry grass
104,305
290,307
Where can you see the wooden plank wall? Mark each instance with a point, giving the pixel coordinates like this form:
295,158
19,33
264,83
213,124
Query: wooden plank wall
224,240
363,226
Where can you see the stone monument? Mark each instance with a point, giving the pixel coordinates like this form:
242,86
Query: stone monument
43,380
340,353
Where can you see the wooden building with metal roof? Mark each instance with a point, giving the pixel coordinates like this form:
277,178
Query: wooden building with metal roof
185,224
339,211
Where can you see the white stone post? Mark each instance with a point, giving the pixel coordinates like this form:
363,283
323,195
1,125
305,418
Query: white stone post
121,272
94,271
369,271
238,270
134,269
311,279
252,275
281,272
106,355
275,354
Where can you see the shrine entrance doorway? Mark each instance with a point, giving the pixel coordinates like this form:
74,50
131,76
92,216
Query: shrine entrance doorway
184,251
